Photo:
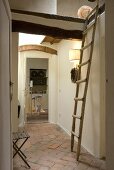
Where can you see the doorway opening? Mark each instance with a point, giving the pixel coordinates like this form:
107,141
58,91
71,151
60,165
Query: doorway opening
37,79
36,97
33,73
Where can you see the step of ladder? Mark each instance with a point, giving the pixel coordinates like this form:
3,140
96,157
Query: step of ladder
77,117
78,99
85,80
75,134
92,12
88,28
84,63
88,45
81,81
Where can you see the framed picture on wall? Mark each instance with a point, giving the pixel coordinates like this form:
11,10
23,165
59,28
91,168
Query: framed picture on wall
38,76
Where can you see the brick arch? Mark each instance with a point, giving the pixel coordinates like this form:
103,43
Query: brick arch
37,48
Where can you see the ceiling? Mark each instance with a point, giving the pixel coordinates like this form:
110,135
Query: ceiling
51,40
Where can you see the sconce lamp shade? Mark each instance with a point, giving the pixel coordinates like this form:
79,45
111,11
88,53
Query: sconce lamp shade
74,55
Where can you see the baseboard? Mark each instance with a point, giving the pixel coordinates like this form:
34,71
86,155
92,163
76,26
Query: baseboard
64,129
76,140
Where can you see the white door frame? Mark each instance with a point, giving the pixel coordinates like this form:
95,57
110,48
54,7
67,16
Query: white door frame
52,86
5,104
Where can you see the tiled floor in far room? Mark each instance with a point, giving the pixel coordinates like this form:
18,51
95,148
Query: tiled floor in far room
37,117
48,148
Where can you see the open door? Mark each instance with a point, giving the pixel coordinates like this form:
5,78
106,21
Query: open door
5,122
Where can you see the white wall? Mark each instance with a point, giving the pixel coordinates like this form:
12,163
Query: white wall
44,6
101,30
53,89
14,80
66,89
94,123
52,82
5,112
21,86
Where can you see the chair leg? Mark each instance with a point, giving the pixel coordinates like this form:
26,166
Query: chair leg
19,148
23,158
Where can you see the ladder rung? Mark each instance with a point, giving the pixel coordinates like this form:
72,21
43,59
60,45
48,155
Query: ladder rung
78,99
81,81
92,12
84,63
77,117
83,48
75,134
89,27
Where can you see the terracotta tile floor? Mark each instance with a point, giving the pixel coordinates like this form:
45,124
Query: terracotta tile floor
48,148
37,117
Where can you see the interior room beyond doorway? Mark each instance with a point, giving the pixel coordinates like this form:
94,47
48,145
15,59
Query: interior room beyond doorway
36,98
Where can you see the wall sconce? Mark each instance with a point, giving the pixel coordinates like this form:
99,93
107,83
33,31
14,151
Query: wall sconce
74,56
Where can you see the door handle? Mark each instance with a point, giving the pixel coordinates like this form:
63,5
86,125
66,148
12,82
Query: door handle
11,90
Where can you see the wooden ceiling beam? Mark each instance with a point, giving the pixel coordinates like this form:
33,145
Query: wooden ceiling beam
32,28
37,48
48,16
51,40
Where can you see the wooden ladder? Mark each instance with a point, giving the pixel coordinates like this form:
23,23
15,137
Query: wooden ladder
88,26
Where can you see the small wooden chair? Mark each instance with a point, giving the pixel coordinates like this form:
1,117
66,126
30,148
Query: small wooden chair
16,137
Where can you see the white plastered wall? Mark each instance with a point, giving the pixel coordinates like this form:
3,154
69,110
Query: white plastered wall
94,123
66,89
52,82
21,86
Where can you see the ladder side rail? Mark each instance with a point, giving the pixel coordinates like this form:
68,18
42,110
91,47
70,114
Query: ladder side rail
86,87
76,102
77,89
92,12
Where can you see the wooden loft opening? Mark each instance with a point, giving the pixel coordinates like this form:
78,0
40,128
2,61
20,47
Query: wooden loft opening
47,24
60,27
51,40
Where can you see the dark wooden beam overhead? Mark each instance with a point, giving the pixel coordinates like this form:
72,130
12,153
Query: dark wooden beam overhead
37,48
48,16
32,28
51,40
